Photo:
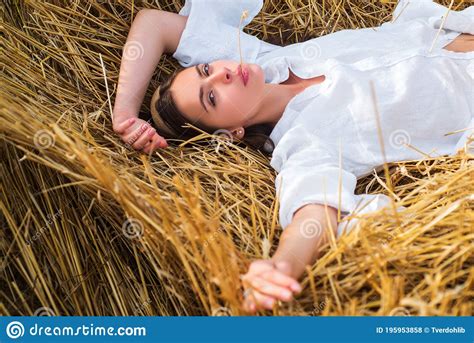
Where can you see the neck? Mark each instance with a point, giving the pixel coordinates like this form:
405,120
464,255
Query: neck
274,101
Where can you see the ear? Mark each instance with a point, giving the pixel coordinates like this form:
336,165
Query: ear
238,132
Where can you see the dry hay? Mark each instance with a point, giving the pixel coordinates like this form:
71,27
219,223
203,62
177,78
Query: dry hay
90,227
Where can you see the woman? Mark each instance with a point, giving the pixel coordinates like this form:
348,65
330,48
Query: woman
314,105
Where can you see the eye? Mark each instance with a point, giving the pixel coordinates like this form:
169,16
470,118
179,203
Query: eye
212,98
205,68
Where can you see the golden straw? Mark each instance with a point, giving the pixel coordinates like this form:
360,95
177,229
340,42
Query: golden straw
441,26
93,228
244,15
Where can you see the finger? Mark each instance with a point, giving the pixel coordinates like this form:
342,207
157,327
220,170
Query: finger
121,127
146,147
247,280
148,143
132,135
249,305
263,300
255,301
267,287
259,266
143,139
152,144
281,279
158,141
162,142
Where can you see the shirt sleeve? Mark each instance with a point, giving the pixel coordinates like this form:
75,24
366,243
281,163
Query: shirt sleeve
432,14
467,139
308,172
212,30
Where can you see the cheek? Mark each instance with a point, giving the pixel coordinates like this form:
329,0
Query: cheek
244,101
236,106
257,85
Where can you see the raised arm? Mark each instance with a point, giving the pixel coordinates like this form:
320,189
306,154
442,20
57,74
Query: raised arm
299,246
153,32
301,241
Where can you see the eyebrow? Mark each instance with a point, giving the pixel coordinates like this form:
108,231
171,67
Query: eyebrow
201,91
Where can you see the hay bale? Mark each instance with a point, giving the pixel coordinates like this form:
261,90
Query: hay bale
93,228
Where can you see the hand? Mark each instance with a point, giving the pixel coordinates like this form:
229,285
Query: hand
267,281
139,134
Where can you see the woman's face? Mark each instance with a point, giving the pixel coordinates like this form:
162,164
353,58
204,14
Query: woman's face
215,95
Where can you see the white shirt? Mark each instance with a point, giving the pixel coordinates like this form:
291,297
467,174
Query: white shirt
421,95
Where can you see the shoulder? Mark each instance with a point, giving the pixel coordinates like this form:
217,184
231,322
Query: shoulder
299,146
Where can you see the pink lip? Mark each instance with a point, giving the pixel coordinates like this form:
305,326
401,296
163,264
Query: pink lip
243,73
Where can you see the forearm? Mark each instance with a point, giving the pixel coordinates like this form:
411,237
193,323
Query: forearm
148,39
301,241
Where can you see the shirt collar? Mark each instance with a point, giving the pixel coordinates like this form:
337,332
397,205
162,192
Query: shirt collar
276,70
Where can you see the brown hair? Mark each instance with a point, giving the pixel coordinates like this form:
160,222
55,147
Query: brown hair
168,121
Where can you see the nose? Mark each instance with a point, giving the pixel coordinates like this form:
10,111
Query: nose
223,75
